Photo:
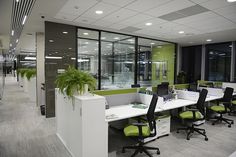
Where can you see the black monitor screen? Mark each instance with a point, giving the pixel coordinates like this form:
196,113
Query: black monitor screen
193,87
162,89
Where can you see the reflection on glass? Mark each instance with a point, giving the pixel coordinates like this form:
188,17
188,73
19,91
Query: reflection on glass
88,51
155,62
218,60
117,61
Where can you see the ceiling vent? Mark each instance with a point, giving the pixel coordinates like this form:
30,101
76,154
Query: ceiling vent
193,10
21,10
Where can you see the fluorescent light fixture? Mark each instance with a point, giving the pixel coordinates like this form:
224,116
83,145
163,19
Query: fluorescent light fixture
209,40
85,33
30,58
70,48
103,38
230,1
51,41
116,38
23,22
86,42
56,52
17,40
17,1
181,32
10,45
73,58
12,33
82,60
51,57
65,32
230,46
148,24
152,43
99,12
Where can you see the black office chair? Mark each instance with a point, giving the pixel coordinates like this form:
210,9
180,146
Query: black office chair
195,116
143,130
135,85
225,108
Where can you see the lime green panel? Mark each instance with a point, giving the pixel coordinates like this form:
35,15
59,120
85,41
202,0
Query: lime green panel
133,131
218,108
205,83
234,102
189,115
117,91
181,86
161,55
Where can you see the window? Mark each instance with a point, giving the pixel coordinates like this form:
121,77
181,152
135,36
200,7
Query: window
156,60
218,62
117,60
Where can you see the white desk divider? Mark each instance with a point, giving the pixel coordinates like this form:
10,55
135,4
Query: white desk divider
215,91
228,84
146,99
187,95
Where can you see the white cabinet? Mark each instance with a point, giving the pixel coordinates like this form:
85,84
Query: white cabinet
81,125
163,125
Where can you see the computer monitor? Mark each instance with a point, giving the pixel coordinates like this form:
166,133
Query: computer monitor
162,89
193,87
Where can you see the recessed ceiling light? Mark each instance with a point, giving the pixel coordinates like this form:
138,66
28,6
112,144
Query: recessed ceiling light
230,1
116,38
85,33
12,32
17,40
56,52
99,12
209,40
17,1
51,41
70,48
148,24
65,32
86,43
24,19
103,38
152,43
181,32
10,45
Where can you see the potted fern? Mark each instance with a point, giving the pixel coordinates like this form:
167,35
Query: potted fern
30,73
74,81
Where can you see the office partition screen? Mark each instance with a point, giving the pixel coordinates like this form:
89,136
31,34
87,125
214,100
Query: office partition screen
218,62
156,62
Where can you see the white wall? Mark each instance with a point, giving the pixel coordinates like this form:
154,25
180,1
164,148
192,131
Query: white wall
40,66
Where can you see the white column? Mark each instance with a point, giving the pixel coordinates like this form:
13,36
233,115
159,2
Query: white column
179,59
40,65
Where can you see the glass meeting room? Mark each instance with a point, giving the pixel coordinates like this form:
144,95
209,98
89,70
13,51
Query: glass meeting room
114,66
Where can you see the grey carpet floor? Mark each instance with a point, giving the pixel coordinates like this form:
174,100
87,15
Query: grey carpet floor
25,133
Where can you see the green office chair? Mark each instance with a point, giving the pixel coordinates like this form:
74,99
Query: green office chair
195,116
143,130
225,108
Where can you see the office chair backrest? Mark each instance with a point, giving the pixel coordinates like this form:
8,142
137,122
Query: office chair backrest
228,94
201,101
151,113
165,83
135,85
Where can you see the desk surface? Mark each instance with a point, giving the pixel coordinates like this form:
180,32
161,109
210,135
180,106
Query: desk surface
127,111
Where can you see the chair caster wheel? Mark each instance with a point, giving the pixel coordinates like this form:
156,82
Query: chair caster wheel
158,152
229,126
232,122
188,138
213,123
177,132
206,139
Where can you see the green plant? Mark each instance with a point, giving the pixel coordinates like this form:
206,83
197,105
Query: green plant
181,78
30,73
22,71
73,80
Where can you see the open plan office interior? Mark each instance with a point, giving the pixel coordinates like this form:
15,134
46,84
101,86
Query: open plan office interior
117,78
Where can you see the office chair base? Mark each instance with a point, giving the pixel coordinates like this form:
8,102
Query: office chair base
140,148
226,120
191,130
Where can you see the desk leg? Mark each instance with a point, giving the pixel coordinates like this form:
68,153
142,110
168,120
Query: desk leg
106,140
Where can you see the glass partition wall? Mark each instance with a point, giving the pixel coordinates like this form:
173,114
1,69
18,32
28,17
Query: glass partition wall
112,59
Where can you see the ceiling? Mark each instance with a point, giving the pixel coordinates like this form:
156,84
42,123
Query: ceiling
199,19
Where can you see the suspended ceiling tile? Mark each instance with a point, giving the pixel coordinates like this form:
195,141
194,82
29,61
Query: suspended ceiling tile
214,4
117,26
136,19
77,7
106,8
143,5
227,11
120,15
169,7
85,20
199,1
155,23
120,3
103,23
65,16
